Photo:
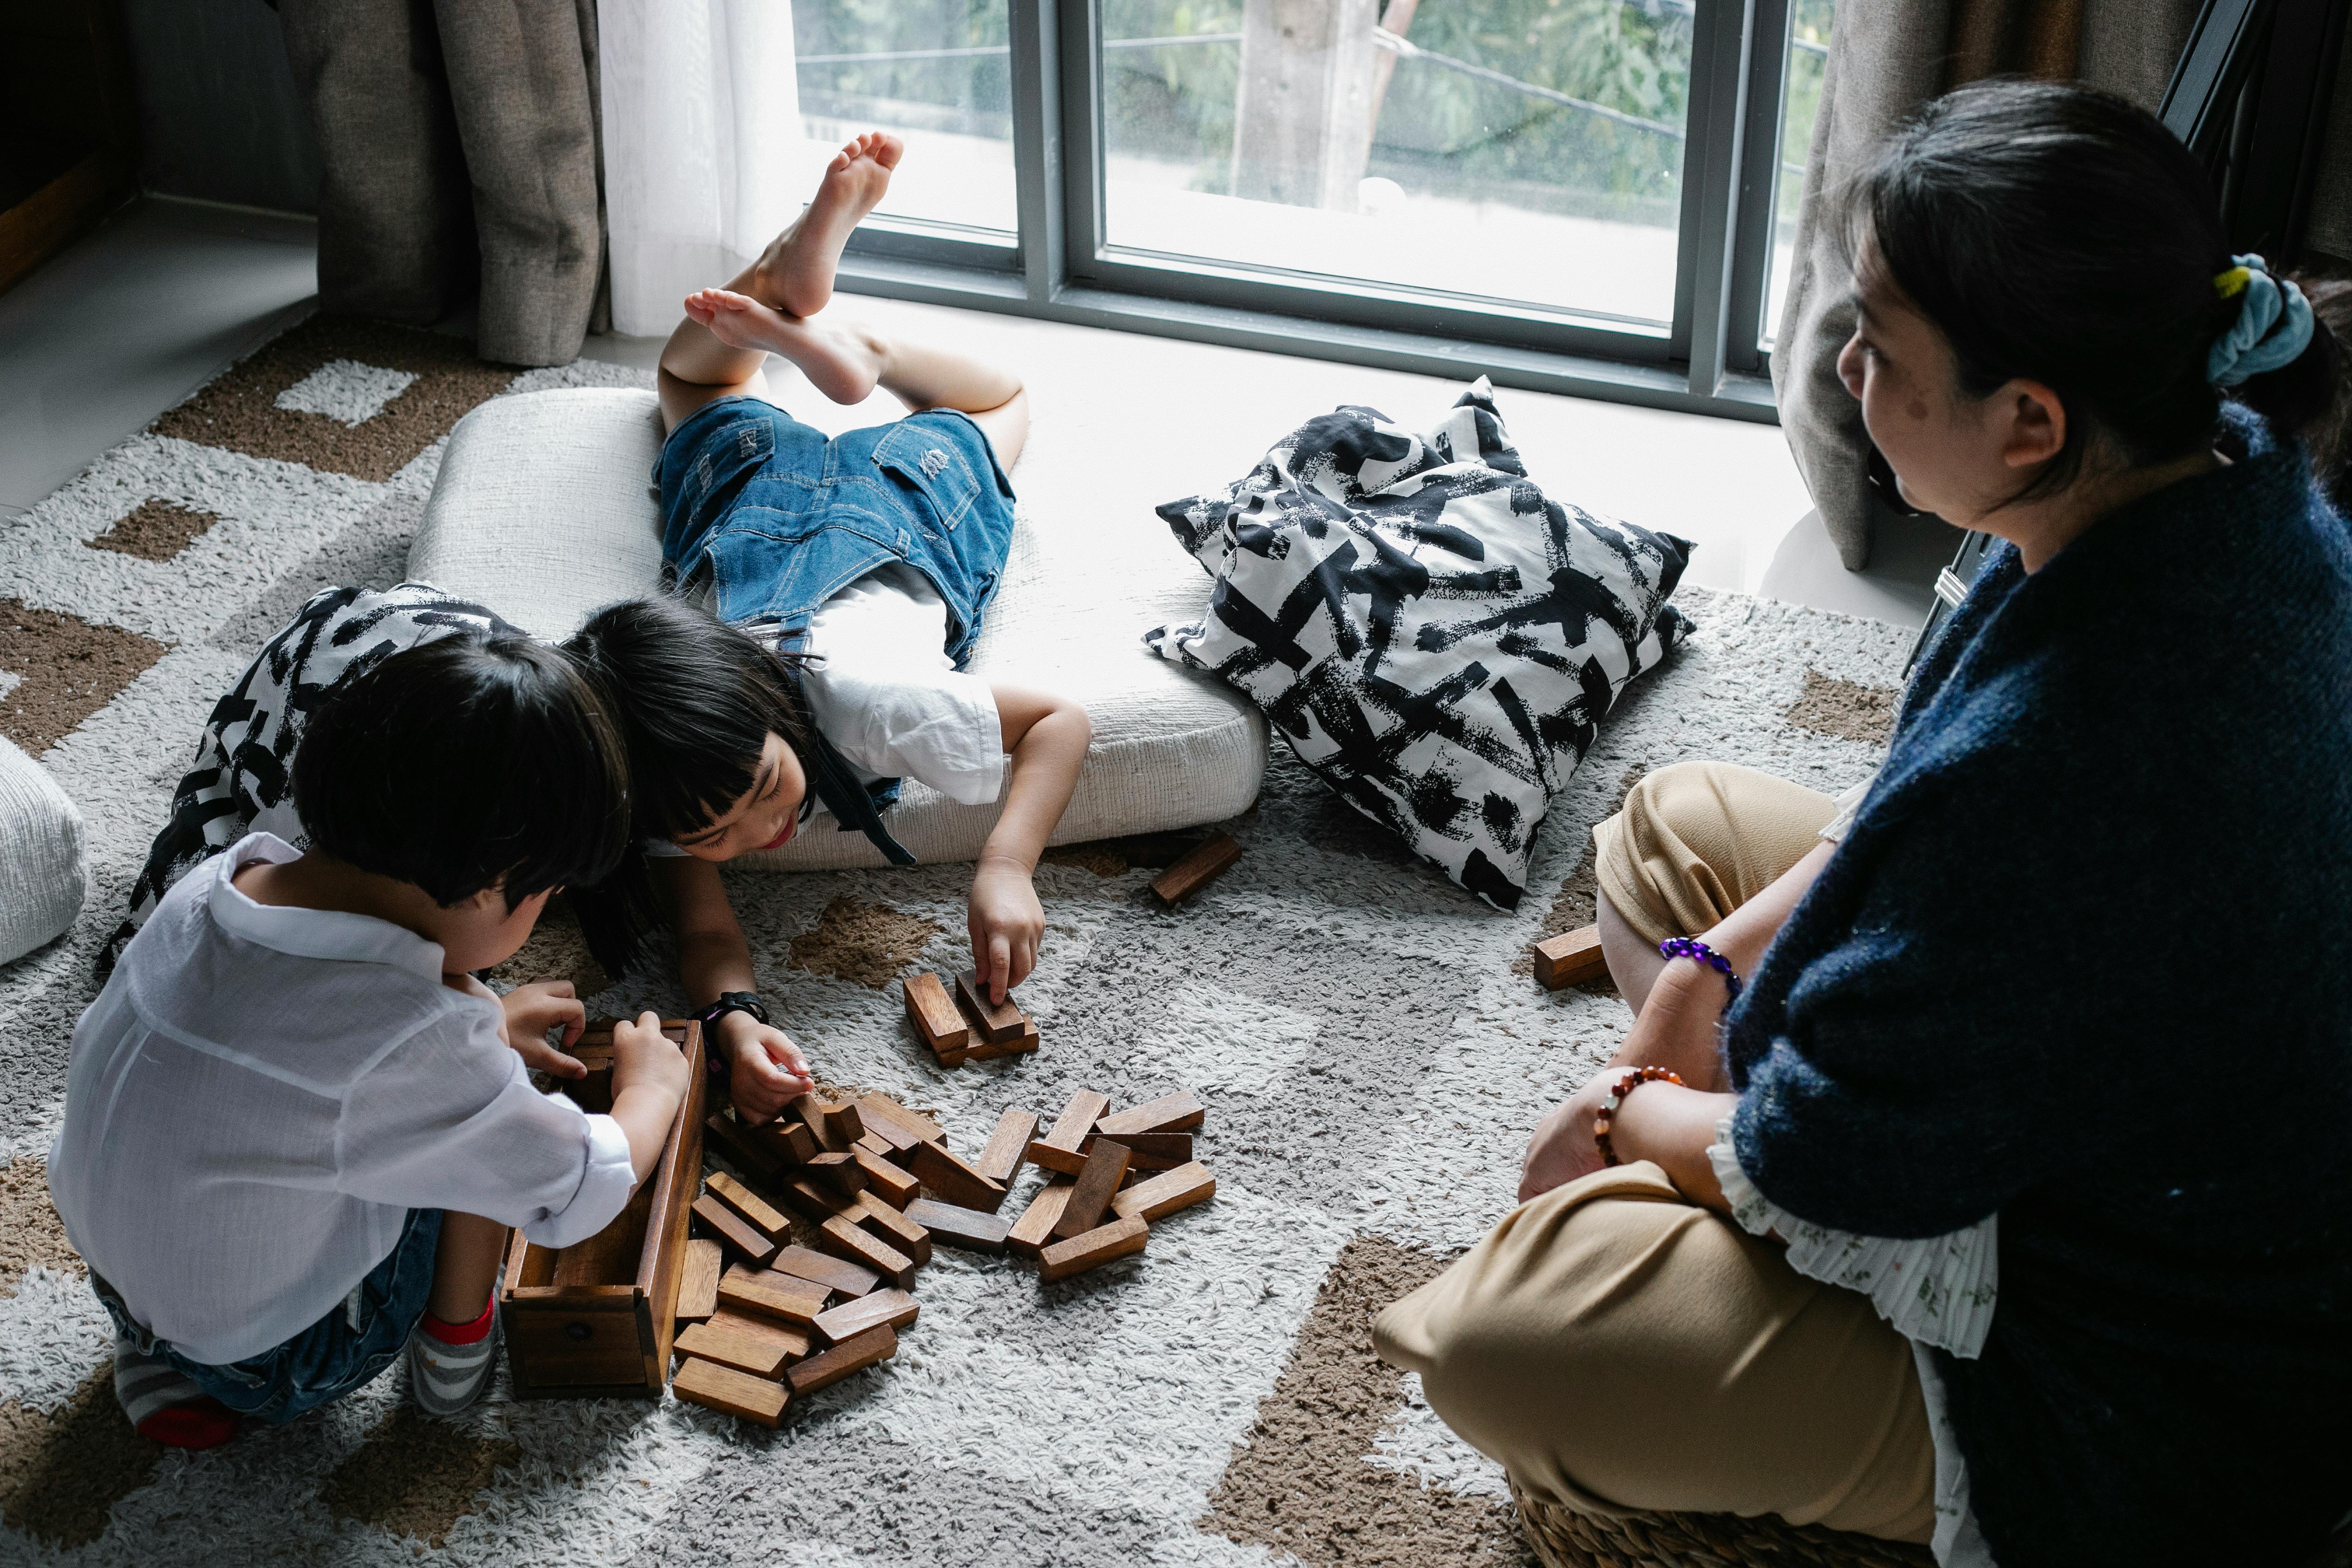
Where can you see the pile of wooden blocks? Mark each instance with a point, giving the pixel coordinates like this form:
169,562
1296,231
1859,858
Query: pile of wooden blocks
981,1029
872,1185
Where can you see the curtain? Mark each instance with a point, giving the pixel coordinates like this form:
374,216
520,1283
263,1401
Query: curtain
1887,58
460,151
699,106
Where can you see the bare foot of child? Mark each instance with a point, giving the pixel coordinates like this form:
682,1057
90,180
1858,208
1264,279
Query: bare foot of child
841,362
796,272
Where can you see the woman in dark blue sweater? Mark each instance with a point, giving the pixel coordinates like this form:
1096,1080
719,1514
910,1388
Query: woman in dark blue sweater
2004,1205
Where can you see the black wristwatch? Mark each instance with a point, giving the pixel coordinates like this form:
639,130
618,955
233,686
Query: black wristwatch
729,1002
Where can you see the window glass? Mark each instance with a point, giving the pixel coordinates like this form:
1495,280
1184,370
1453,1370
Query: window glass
1526,150
1800,96
938,73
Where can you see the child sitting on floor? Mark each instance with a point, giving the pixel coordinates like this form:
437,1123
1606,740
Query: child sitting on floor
833,591
294,1137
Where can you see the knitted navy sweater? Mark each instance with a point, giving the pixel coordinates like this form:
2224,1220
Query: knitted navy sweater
2085,960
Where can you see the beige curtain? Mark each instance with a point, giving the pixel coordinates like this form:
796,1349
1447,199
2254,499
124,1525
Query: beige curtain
1887,58
459,140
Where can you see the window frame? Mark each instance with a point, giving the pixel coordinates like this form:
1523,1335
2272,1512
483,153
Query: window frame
1706,359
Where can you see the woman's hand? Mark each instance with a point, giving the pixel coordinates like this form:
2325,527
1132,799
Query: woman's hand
765,1069
1007,924
530,1011
1563,1149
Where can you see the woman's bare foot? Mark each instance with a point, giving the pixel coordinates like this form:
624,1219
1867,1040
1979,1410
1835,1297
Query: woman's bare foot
841,362
794,274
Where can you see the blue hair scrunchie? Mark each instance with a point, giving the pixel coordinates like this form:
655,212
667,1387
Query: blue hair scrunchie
2273,328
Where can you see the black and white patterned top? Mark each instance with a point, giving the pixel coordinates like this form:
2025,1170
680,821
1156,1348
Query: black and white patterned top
242,780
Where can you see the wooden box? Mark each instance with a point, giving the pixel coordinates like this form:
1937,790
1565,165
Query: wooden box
595,1320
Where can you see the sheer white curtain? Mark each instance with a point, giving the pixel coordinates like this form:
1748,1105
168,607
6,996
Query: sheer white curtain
700,110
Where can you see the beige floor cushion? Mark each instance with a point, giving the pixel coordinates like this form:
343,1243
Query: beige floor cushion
43,875
543,511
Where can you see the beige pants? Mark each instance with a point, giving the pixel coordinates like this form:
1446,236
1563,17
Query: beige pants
1618,1349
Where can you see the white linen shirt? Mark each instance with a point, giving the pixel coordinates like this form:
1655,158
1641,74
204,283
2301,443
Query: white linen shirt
260,1094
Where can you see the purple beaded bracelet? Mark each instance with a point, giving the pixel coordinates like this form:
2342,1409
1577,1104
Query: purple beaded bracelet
1698,952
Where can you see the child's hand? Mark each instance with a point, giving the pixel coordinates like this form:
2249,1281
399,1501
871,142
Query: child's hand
531,1010
1007,924
649,1080
765,1069
645,1057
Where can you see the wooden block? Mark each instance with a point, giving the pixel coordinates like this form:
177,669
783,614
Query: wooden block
833,1273
954,1181
728,1227
730,1393
789,1142
1007,1147
840,1236
1034,1228
904,1127
697,1285
723,1338
841,1172
756,1211
814,1203
867,1349
1093,1249
874,1143
767,1294
1097,1183
973,1229
1212,859
835,1123
1166,1193
894,1308
995,1022
1064,1148
887,1182
1570,958
891,1225
739,1144
1179,1112
935,1018
1026,1041
1153,1150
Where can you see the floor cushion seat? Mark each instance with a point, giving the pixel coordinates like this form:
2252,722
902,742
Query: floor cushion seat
43,874
543,511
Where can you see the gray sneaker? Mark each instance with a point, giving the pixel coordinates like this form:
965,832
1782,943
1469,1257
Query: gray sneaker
446,1378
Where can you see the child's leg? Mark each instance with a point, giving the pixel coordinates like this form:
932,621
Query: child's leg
922,377
452,1351
713,355
465,1266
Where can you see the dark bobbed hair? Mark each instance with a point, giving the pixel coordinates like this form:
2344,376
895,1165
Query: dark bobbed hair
2057,233
696,701
473,760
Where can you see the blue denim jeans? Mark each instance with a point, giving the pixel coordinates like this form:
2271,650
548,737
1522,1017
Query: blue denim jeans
343,1351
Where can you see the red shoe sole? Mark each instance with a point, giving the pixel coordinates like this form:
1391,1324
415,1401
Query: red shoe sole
197,1425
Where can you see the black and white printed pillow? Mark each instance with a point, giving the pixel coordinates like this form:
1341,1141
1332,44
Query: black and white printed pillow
1424,626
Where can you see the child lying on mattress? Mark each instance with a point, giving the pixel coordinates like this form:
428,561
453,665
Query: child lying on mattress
828,593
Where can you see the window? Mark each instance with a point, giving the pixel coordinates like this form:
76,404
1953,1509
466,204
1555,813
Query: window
1800,96
1573,194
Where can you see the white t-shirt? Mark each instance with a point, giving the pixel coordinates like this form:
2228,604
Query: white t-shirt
882,689
260,1094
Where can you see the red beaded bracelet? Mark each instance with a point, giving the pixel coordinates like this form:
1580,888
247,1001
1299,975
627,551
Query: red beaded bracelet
1634,1078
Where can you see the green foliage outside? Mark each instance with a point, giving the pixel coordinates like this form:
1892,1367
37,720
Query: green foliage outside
1439,130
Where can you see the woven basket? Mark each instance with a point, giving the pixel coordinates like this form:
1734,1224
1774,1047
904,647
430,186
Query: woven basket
1568,1539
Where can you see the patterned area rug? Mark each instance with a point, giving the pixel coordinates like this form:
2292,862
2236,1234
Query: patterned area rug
1366,1035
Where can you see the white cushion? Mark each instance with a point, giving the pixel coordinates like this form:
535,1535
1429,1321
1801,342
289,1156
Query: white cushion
544,511
43,876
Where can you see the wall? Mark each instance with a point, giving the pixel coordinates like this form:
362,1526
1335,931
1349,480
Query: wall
218,117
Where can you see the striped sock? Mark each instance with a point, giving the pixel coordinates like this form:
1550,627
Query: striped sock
449,1364
164,1405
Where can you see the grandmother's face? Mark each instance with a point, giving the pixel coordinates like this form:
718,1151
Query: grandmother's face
1950,453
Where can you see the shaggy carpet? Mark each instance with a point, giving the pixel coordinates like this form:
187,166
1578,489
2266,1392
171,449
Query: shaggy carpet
1366,1035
